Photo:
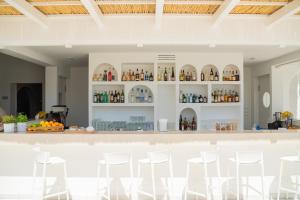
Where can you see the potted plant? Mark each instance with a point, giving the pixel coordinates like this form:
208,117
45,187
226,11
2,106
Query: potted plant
9,123
22,122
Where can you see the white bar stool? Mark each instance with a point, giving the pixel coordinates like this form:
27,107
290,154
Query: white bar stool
204,160
155,159
113,159
288,160
44,160
244,159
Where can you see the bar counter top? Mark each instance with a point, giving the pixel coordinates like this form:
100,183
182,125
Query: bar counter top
150,137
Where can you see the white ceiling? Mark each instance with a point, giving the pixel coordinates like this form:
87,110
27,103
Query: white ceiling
78,55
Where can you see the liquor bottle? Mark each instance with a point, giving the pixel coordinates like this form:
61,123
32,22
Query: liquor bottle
225,96
123,77
237,76
194,126
95,97
159,74
191,98
122,97
109,75
142,96
113,75
237,98
118,97
194,76
201,99
100,78
188,76
137,75
149,99
115,97
202,76
132,96
111,100
173,75
151,77
146,76
185,124
180,97
233,76
229,97
165,75
183,76
211,75
205,99
180,76
105,75
194,98
216,77
180,123
132,76
184,98
142,76
146,96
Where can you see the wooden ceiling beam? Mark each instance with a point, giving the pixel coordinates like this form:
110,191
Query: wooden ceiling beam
29,11
223,11
94,11
284,12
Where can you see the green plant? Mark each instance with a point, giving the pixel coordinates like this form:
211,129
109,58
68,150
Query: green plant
22,118
7,119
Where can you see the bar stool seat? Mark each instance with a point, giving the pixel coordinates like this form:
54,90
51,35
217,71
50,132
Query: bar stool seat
44,160
248,158
113,159
287,160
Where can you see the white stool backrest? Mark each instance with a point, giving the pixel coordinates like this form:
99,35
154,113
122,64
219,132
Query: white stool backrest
41,156
249,157
116,158
159,157
209,156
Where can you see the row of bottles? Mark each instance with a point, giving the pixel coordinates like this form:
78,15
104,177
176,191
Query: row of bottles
187,124
221,96
140,95
231,75
109,97
166,75
212,76
108,75
188,76
192,98
137,76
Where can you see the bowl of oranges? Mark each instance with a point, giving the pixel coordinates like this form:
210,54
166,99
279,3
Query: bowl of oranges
46,126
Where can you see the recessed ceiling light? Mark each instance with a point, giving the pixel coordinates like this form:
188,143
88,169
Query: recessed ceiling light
282,46
212,45
139,45
68,46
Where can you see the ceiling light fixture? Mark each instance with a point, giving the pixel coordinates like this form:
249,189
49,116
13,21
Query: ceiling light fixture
281,46
68,46
139,45
212,45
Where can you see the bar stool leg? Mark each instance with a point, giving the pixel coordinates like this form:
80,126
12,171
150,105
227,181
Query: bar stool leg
262,179
170,186
131,178
206,181
187,181
66,182
44,180
107,181
34,178
220,192
237,180
153,182
279,180
98,177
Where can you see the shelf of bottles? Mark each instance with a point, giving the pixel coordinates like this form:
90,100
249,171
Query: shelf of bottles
166,72
188,120
209,73
225,94
193,93
140,94
105,73
137,72
188,73
112,94
231,73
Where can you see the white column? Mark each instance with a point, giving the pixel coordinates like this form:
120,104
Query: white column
51,87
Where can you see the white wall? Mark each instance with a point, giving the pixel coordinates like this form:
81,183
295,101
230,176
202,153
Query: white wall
13,70
77,96
247,98
265,68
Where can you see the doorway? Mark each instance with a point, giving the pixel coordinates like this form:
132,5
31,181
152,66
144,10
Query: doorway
29,98
264,113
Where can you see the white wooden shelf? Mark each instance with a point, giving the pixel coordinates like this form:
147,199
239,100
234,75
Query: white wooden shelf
107,83
123,104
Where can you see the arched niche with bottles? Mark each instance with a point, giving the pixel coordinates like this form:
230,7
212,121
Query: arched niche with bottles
105,72
231,73
188,120
140,94
210,73
188,73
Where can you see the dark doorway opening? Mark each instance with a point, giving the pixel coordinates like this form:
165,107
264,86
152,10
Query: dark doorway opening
29,98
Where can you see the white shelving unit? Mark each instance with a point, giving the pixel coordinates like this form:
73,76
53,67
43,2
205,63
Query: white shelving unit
165,103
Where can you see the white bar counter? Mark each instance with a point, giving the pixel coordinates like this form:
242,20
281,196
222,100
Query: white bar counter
82,151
